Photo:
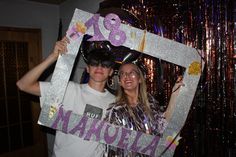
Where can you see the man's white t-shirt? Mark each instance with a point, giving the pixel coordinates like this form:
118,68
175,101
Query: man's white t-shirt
82,100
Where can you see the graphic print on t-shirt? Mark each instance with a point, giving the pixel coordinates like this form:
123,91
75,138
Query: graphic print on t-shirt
93,111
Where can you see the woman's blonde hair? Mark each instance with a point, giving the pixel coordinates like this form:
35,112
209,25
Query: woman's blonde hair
142,93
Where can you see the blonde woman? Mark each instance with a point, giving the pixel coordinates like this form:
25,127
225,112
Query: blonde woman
136,109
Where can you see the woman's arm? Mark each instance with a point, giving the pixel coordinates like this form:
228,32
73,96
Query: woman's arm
175,92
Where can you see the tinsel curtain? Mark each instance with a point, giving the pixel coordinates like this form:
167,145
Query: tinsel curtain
208,25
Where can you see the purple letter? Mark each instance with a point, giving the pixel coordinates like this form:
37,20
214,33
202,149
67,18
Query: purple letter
64,118
93,21
152,146
134,146
80,127
110,139
94,130
112,22
124,138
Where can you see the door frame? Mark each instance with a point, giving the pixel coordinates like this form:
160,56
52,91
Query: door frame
33,38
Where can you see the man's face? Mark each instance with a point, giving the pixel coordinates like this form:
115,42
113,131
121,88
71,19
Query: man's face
99,73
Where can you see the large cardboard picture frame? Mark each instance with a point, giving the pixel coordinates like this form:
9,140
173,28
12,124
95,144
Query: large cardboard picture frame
52,115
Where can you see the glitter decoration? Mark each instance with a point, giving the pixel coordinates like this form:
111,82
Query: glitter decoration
77,30
142,43
52,111
80,27
194,68
173,141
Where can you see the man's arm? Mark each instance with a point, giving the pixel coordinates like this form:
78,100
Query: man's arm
29,82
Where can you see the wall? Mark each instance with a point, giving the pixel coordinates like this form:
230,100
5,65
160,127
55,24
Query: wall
22,14
19,13
67,9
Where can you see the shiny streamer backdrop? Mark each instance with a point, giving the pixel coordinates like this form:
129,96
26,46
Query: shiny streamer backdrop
208,25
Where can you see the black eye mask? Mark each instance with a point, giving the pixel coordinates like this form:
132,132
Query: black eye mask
104,64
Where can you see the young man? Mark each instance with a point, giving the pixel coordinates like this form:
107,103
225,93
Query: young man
89,99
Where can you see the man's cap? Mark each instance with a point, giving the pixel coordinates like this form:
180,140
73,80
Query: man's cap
101,55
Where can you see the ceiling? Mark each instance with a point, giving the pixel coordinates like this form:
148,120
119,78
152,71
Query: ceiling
56,2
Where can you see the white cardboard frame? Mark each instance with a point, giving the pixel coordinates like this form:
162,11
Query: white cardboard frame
144,42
